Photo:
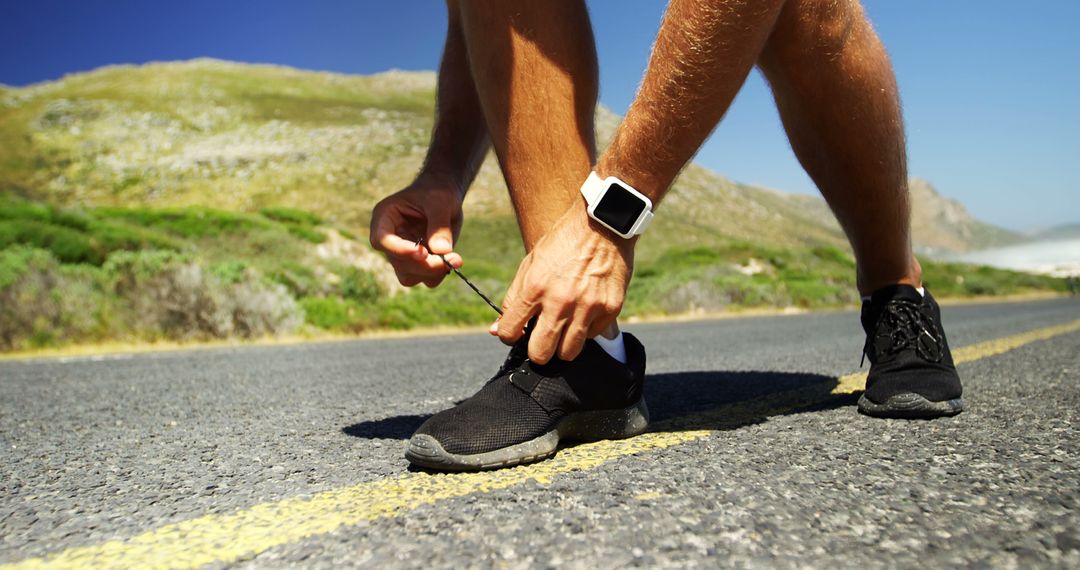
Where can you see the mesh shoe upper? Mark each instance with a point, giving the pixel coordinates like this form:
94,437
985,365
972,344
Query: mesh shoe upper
526,400
906,346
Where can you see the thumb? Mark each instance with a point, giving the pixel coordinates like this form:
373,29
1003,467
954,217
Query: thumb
440,237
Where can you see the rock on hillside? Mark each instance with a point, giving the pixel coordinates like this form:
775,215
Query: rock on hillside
940,224
1064,231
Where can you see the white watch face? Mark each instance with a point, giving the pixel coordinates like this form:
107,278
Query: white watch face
619,208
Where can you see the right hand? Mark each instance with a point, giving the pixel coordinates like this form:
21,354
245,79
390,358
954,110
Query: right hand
427,208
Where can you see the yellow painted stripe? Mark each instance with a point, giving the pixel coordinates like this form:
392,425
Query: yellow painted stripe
228,538
241,535
1005,344
851,383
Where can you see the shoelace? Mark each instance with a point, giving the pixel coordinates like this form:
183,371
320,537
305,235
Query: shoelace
450,266
519,352
906,326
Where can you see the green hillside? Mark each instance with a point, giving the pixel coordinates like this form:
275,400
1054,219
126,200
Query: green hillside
208,199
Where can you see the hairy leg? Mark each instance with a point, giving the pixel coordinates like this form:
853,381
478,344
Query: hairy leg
837,96
535,69
534,65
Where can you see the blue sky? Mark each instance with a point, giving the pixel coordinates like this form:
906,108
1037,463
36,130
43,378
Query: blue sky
989,87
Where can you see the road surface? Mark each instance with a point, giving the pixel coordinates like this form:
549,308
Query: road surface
280,456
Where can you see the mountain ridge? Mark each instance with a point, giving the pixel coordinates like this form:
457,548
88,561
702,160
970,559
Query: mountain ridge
245,136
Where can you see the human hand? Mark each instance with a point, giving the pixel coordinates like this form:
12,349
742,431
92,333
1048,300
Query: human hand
575,279
428,208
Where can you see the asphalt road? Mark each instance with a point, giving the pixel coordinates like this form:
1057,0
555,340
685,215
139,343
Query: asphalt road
285,456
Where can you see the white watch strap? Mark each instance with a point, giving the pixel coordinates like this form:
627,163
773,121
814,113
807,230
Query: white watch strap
644,223
592,187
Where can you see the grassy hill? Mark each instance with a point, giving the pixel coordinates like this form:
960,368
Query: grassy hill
207,198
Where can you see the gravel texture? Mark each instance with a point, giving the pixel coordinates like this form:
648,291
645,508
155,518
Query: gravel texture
98,448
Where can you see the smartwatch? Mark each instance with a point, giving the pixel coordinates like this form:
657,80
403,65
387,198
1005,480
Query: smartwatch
617,205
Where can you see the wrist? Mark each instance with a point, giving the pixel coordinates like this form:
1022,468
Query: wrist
599,234
636,171
441,179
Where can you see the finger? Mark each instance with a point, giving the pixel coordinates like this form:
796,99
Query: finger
601,319
545,337
436,263
516,311
429,266
409,273
574,337
455,260
440,237
385,239
512,323
408,280
433,282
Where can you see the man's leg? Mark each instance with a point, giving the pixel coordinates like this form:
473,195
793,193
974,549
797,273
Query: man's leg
534,65
837,96
535,69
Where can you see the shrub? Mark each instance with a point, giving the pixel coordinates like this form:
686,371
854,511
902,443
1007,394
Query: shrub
330,313
29,309
128,268
982,285
166,294
41,303
15,208
230,272
117,236
833,254
71,236
192,222
299,279
749,291
68,245
428,307
291,216
259,309
810,292
695,257
359,285
306,234
70,219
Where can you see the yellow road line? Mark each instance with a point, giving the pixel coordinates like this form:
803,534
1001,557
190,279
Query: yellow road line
241,535
850,383
228,538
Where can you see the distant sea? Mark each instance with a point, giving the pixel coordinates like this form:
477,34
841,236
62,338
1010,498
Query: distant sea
1059,257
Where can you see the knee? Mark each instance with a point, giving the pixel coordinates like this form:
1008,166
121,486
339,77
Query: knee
812,28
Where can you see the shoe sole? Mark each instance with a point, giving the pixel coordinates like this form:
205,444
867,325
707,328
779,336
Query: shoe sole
909,405
425,451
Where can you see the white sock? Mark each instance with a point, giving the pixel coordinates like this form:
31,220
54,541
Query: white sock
615,347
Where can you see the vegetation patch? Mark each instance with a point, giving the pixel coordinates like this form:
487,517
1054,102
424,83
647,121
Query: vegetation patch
100,274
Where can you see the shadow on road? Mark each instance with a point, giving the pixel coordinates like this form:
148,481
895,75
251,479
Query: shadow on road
394,427
728,400
690,400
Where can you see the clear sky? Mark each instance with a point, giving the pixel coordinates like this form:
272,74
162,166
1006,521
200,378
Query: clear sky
990,87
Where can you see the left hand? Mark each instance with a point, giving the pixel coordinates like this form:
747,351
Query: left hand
575,279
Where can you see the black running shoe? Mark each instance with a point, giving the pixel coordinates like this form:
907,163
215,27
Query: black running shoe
912,374
522,414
